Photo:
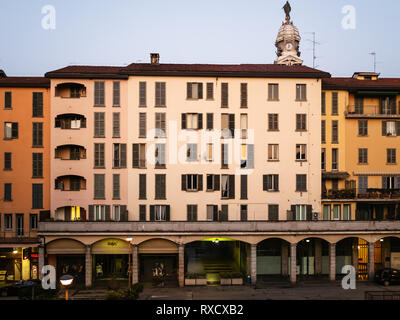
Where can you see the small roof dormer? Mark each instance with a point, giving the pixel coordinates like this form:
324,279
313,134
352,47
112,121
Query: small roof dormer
2,74
366,75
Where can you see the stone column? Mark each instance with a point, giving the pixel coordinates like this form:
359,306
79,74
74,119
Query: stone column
253,268
293,261
371,261
41,261
135,264
88,266
332,264
285,259
318,257
181,263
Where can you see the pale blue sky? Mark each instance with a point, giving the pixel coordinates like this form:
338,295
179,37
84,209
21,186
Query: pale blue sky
119,32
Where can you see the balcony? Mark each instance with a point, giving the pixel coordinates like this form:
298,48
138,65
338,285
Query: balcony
384,111
70,213
70,183
19,236
70,152
70,90
375,194
70,121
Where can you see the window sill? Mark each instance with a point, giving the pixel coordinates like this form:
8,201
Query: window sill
116,137
160,198
144,106
362,136
391,164
99,167
362,164
273,160
193,99
160,167
99,105
273,100
37,147
116,106
273,191
273,130
301,160
160,106
99,198
6,169
297,130
102,137
298,100
301,190
41,177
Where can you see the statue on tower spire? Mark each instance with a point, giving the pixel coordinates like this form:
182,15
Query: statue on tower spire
287,8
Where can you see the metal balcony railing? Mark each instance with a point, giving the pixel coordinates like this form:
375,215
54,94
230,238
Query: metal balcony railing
20,235
372,111
369,193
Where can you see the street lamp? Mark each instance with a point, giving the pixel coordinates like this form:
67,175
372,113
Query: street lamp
66,280
130,263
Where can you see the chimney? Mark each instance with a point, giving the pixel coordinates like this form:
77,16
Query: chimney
2,74
154,58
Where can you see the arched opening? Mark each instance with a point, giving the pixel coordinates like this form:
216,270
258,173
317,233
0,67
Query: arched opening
70,152
70,90
353,251
70,121
70,213
312,258
273,256
70,183
387,253
217,259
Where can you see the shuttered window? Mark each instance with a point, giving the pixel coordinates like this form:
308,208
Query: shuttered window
142,212
116,186
271,182
243,212
142,125
224,156
99,124
362,184
116,124
273,92
116,94
160,186
391,156
323,131
192,121
119,155
7,161
194,90
99,186
192,182
301,92
7,100
7,192
142,94
323,103
160,125
243,95
37,104
301,182
228,186
273,152
224,95
273,212
37,165
191,212
210,91
362,156
37,134
243,186
191,152
99,155
210,121
335,157
301,122
335,131
160,155
142,186
160,94
159,212
301,152
37,196
362,128
323,159
334,103
224,213
273,123
138,155
212,212
99,94
10,130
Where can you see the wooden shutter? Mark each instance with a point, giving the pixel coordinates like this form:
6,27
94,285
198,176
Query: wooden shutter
384,126
243,95
116,186
163,94
309,212
14,130
7,100
152,212
243,187
123,213
216,182
107,213
91,212
142,186
250,156
135,155
200,90
189,90
224,95
142,212
215,213
142,125
123,155
199,121
292,213
384,183
183,120
276,182
265,182
397,183
231,184
142,94
200,182
210,121
232,124
224,213
210,90
167,213
397,128
183,182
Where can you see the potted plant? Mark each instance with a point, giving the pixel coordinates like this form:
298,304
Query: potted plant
190,279
225,279
237,278
201,279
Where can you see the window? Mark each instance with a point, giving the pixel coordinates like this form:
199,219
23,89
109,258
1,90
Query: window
243,95
142,125
99,155
37,104
209,152
301,212
327,212
243,212
390,182
99,94
228,125
273,124
335,184
323,103
160,94
391,156
243,125
210,121
160,186
139,155
10,130
116,212
224,95
116,94
116,186
346,212
194,90
336,212
33,221
224,213
334,103
213,182
301,123
301,152
301,94
142,94
7,161
7,192
160,125
8,221
362,156
192,121
159,213
273,91
301,182
363,128
7,100
210,91
99,186
192,212
37,165
192,182
142,186
37,196
273,212
191,152
228,186
391,128
37,134
119,155
99,124
273,152
247,156
335,158
271,182
362,184
212,212
116,124
323,159
99,213
359,105
323,131
243,186
335,131
160,155
142,212
224,156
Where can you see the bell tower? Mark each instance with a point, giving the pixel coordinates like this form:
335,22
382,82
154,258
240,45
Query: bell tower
288,41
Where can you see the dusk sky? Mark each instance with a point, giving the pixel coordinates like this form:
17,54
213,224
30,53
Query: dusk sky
97,32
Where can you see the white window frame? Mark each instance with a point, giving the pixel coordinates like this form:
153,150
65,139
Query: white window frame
302,152
301,212
160,213
99,212
274,154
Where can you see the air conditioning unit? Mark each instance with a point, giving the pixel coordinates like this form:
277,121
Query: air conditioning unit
315,216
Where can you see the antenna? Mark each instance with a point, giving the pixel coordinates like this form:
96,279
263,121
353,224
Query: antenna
314,42
374,54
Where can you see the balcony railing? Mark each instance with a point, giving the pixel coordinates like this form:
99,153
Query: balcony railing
389,111
19,236
369,193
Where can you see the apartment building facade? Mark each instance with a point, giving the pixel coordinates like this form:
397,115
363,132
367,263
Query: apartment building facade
25,176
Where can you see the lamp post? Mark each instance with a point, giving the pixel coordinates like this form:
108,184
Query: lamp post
66,280
130,263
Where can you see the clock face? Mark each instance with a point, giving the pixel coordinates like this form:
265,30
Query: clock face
289,46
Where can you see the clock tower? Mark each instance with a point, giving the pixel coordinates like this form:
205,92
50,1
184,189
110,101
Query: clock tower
288,42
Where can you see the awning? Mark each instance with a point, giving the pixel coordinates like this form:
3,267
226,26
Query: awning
377,93
335,175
